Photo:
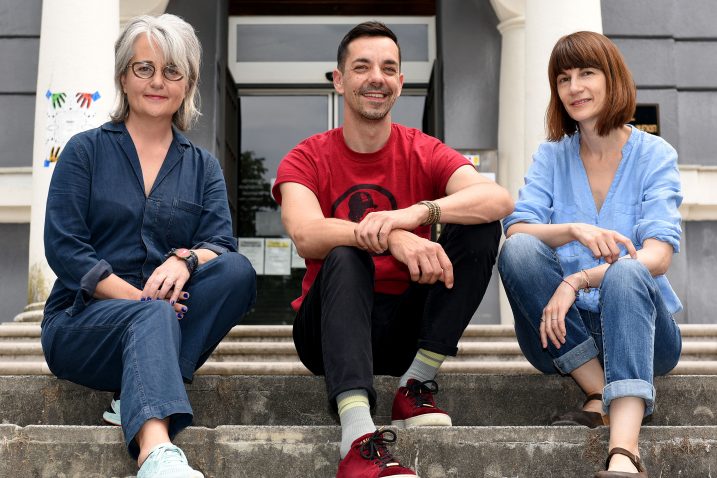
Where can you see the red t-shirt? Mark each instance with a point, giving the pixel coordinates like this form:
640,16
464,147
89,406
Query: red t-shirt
411,167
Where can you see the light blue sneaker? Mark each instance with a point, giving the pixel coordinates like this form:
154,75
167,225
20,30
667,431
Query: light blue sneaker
167,461
112,414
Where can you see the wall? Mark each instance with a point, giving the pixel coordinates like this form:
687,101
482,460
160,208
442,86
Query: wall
468,43
671,48
210,23
19,50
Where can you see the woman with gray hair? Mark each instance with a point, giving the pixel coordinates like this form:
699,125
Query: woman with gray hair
139,234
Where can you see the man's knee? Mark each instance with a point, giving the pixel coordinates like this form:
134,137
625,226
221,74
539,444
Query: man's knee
482,239
347,257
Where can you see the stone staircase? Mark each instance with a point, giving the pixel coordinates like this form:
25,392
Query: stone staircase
258,414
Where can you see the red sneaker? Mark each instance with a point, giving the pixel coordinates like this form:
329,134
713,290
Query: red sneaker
369,458
414,406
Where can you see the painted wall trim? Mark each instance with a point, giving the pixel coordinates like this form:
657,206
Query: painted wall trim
15,194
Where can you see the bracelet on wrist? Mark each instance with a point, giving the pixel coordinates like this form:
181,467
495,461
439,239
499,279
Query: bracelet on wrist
572,287
587,280
187,255
434,213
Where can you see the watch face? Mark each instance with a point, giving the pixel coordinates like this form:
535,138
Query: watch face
183,253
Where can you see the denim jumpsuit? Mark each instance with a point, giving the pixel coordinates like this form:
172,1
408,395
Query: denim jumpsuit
98,222
627,322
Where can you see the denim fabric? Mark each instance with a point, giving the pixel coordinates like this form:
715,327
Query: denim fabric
99,221
142,349
633,334
347,332
642,201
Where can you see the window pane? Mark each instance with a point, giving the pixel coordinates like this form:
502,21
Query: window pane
270,127
317,42
273,125
408,111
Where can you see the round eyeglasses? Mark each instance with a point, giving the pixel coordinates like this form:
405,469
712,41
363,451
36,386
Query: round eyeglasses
145,70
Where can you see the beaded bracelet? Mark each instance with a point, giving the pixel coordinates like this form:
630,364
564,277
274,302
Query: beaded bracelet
434,213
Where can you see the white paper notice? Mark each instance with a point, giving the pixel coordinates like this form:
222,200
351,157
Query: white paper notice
253,249
277,257
297,262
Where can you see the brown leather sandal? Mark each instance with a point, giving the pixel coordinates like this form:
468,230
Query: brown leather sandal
581,417
641,471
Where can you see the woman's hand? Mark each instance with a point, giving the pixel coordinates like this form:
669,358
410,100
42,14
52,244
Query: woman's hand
167,282
602,242
552,322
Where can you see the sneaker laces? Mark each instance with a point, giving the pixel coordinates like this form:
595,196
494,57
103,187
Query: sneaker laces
375,448
422,392
169,454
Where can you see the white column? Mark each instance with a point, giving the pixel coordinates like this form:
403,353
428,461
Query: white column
75,92
545,22
511,115
529,31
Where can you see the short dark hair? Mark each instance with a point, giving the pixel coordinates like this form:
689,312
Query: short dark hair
590,50
365,29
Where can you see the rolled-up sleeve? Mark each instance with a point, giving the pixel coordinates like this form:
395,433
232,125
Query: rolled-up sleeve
215,224
67,236
535,199
662,196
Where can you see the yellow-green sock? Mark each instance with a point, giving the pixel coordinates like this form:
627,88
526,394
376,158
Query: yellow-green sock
355,417
424,367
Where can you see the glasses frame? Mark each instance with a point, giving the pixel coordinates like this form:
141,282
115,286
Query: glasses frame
154,70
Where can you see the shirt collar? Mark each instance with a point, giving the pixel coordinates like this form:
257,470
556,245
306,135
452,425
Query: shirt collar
120,127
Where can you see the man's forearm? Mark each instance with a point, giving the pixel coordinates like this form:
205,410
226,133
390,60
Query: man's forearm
476,204
315,239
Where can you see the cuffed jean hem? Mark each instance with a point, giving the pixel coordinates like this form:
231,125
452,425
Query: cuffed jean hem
629,388
579,355
181,417
438,347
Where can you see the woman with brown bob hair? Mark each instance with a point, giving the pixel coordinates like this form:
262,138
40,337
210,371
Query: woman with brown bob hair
592,236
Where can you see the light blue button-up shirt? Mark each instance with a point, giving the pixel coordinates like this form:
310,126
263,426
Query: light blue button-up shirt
641,203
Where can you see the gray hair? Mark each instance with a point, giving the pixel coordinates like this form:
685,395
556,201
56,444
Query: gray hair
179,45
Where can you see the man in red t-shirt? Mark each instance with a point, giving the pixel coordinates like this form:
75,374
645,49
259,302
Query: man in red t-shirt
379,297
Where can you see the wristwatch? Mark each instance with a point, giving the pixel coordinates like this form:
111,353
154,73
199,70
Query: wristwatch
187,255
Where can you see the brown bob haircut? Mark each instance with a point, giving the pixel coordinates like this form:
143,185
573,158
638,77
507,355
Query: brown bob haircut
590,50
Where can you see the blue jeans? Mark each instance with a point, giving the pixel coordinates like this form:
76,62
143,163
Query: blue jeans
634,336
142,349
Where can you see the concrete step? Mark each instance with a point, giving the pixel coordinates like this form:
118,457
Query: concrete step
312,452
269,350
471,399
286,352
253,333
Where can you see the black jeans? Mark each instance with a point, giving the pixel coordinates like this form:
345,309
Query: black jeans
348,333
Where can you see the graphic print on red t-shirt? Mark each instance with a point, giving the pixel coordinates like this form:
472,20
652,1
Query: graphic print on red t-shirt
362,199
348,185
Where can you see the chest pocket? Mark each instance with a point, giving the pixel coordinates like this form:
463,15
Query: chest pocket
183,222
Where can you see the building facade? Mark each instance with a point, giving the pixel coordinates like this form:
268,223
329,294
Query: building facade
475,78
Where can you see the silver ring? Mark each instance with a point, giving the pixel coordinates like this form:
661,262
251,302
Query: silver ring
553,318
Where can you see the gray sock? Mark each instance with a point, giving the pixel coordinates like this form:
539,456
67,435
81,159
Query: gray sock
424,367
355,416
